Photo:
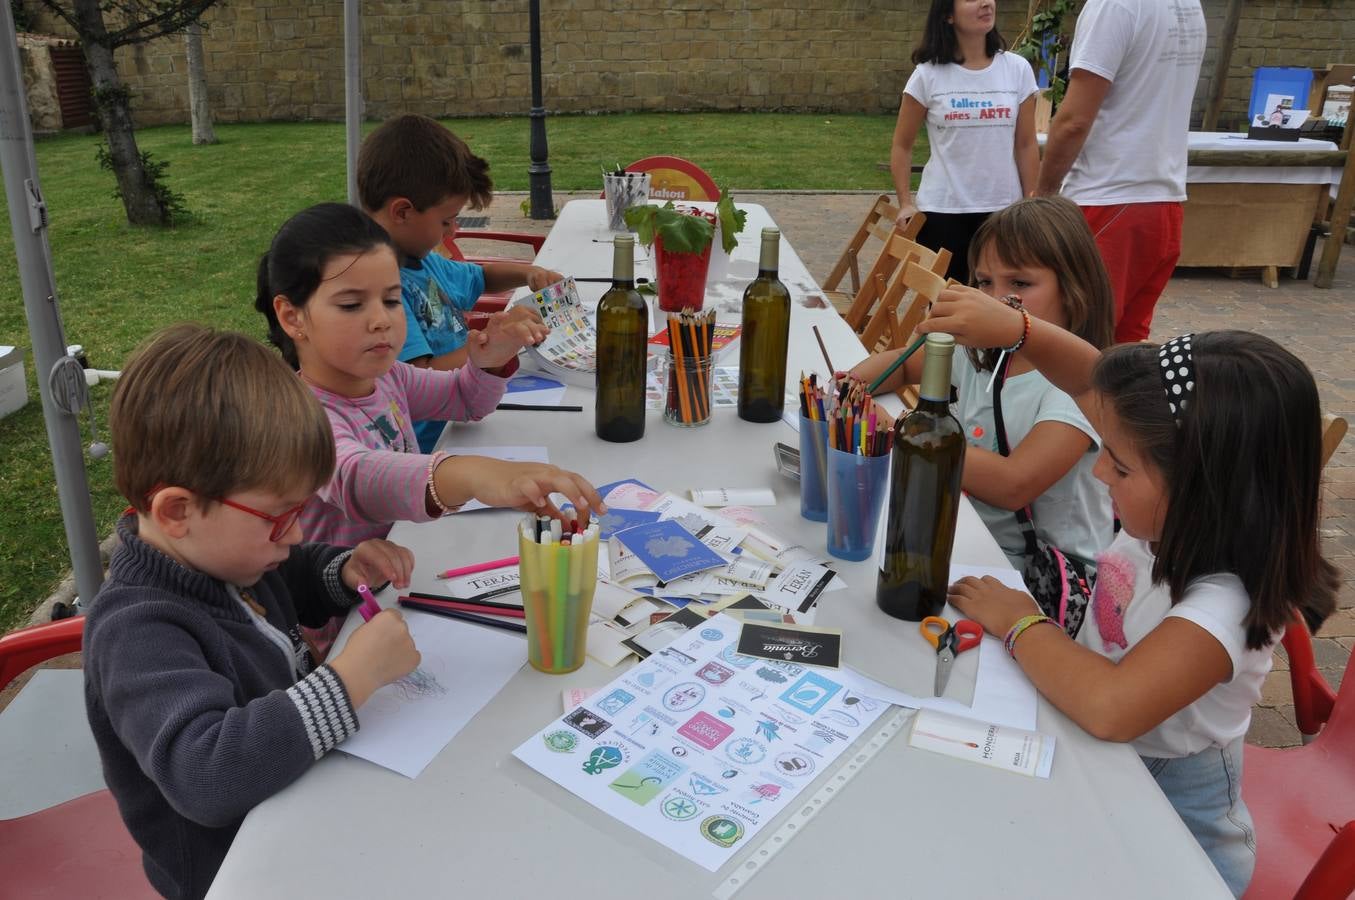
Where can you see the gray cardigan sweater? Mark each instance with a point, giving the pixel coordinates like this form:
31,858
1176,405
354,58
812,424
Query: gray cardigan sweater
198,712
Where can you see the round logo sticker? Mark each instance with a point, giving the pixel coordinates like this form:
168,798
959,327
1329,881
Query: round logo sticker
746,751
602,758
712,634
561,741
679,808
684,696
796,764
722,830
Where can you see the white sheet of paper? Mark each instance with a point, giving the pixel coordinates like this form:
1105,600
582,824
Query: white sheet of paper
733,497
604,642
512,454
698,747
1003,695
406,724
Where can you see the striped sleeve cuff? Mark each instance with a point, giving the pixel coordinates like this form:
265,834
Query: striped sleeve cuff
325,709
332,577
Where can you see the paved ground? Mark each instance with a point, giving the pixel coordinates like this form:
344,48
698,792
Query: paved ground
1318,325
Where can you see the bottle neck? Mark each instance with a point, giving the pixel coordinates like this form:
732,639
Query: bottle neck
770,259
623,263
935,385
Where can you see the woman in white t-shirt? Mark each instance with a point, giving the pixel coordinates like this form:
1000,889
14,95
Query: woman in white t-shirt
1211,450
979,105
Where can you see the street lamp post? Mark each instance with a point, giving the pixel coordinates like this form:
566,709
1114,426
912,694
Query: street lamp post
538,173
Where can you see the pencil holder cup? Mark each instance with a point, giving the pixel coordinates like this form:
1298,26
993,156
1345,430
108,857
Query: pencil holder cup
687,390
857,487
558,581
622,191
813,469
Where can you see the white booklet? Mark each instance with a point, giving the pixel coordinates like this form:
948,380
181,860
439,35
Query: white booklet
999,746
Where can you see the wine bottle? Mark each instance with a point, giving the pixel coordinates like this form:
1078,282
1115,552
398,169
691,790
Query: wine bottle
766,332
623,333
924,495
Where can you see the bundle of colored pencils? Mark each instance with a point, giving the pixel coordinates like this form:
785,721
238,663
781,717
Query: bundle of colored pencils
691,336
855,423
559,564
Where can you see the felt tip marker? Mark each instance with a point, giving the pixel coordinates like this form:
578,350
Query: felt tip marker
369,606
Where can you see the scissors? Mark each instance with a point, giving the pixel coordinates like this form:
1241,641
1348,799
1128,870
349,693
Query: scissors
949,641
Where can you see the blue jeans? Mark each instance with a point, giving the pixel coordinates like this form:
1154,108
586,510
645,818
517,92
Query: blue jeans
1206,791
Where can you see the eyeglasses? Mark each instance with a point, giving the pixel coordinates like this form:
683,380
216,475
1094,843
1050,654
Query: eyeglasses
282,522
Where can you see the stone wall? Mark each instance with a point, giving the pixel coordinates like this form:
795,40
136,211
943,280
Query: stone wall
283,59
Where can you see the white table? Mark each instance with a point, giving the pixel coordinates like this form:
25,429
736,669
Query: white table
478,822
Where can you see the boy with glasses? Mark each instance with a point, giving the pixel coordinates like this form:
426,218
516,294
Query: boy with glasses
203,699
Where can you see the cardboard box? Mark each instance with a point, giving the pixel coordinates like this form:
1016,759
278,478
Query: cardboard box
13,386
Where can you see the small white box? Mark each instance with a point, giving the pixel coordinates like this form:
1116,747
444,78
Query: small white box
13,387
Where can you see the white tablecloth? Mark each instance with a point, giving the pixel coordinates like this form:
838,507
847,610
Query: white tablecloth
479,823
1216,140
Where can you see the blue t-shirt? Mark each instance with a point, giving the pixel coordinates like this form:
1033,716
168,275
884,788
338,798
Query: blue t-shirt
436,293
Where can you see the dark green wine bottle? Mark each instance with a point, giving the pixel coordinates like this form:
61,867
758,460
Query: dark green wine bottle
766,332
623,331
924,495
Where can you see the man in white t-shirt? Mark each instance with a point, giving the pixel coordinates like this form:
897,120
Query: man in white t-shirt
1117,147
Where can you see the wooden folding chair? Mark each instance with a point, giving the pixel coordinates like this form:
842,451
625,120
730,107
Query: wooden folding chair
878,223
894,258
889,330
1333,430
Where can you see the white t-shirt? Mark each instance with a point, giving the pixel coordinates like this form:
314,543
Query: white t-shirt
1150,51
971,126
1126,606
1074,513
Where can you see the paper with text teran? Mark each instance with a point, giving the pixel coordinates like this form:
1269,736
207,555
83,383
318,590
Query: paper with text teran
699,747
405,724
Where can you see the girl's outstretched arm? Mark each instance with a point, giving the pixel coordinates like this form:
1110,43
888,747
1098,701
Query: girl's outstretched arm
874,365
977,320
1045,455
1172,667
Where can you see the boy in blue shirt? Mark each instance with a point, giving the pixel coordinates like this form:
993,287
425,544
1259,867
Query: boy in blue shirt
414,178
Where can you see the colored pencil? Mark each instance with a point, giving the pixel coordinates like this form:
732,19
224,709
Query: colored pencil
534,407
489,609
463,616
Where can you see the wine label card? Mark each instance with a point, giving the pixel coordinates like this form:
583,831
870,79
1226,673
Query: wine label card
999,746
788,643
628,493
657,637
617,518
733,497
669,550
798,587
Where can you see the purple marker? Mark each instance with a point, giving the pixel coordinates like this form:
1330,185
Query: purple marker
369,606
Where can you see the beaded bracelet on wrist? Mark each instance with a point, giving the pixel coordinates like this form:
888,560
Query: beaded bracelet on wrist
1020,627
432,483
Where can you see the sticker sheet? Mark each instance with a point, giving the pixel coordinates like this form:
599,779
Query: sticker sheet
699,747
569,349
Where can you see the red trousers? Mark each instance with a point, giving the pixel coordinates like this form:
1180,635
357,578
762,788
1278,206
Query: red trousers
1139,243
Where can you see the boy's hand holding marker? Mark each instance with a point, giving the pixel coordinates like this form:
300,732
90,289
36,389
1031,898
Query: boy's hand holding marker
379,652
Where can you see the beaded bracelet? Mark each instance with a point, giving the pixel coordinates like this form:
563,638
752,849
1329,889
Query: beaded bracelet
1015,303
432,485
1019,628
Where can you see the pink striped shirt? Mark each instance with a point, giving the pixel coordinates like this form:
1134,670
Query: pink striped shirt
379,475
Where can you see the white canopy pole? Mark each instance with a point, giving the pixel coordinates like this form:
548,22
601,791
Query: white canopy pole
28,221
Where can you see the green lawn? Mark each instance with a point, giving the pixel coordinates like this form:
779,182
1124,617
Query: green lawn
117,283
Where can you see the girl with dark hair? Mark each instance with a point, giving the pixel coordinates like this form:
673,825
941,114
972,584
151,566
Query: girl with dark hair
979,105
329,287
1212,456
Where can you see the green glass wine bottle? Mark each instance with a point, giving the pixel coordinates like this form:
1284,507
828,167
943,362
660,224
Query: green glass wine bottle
766,332
623,331
924,495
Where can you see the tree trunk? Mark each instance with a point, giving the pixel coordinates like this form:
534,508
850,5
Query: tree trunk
201,110
112,103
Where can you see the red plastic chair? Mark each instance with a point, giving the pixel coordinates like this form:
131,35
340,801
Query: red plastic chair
79,848
498,300
1302,799
1313,697
675,178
